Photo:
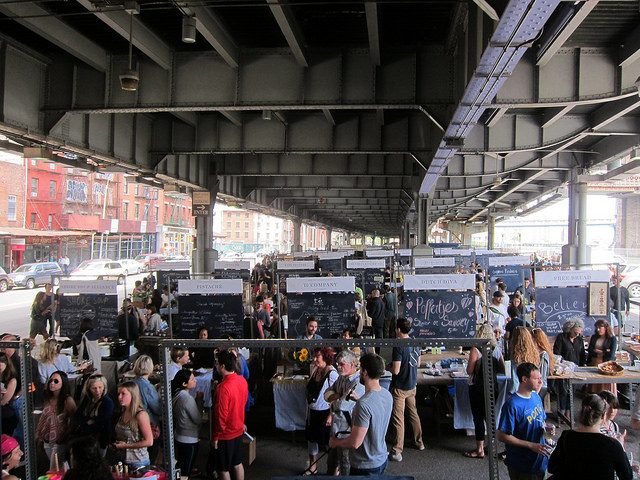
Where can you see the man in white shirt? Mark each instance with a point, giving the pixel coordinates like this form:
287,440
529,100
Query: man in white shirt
497,313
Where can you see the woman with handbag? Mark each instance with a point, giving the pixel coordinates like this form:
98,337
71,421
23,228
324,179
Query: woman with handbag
322,378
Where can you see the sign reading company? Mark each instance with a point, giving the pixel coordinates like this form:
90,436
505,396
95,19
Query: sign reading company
323,284
201,202
570,278
202,287
108,287
440,282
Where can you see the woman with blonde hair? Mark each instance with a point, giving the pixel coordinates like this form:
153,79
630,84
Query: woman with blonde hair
547,358
94,413
522,350
475,371
51,361
133,431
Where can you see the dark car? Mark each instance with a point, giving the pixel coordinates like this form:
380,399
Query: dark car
4,280
34,274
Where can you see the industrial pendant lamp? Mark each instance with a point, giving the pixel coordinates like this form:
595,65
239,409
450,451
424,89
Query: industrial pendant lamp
129,79
188,29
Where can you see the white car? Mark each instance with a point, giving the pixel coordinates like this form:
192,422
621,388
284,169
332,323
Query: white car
631,280
131,267
100,270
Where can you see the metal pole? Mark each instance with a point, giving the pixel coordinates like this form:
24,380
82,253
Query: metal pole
167,414
27,410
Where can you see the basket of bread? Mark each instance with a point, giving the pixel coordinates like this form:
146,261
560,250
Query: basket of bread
613,369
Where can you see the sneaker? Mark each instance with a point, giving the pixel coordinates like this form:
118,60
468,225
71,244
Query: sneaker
420,447
396,458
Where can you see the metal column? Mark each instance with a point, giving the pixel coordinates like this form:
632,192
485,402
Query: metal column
204,254
491,229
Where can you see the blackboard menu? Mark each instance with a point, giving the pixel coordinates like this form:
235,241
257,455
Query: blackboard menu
102,309
231,273
557,305
511,276
332,265
441,314
334,312
170,276
368,279
222,314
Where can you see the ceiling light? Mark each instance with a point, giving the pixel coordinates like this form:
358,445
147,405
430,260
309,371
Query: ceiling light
188,29
129,79
266,114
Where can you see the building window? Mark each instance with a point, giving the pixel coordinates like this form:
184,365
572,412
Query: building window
137,189
136,211
237,214
50,222
126,186
228,224
52,166
52,189
237,234
156,215
34,162
246,235
11,207
146,212
34,220
34,187
237,224
166,211
246,224
125,210
246,215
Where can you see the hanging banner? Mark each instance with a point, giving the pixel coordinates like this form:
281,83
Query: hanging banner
440,282
295,265
108,287
232,285
426,262
510,260
379,253
570,278
321,284
364,264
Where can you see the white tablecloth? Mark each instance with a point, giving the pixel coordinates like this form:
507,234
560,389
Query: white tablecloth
290,398
462,418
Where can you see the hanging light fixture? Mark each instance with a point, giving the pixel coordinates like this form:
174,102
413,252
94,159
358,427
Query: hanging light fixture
188,29
129,79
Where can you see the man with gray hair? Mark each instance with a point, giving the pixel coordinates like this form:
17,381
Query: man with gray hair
342,397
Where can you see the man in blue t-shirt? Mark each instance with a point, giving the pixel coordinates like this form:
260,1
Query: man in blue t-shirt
404,367
522,422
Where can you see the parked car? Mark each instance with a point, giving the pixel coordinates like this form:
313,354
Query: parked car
150,260
34,274
4,280
100,270
131,266
631,280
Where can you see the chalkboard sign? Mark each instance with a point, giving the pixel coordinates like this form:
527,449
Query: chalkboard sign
332,265
441,314
231,273
511,276
368,279
556,305
170,276
222,314
102,309
334,312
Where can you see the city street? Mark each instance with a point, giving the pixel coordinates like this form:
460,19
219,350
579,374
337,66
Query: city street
16,306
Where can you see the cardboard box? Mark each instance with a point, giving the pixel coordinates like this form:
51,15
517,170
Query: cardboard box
248,450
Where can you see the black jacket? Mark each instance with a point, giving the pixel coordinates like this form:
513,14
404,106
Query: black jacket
608,348
571,351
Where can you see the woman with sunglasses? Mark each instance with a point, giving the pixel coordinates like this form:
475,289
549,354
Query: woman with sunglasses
56,419
133,430
95,411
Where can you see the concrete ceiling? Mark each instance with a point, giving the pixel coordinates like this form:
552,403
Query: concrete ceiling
335,112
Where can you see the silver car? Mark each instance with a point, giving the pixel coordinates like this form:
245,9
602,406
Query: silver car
34,274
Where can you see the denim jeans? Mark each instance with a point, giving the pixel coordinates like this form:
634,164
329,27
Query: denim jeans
369,472
186,454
